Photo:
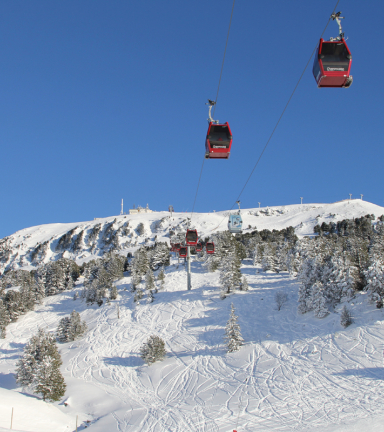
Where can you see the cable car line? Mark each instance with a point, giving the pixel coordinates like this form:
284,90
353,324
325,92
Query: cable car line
281,116
225,51
213,103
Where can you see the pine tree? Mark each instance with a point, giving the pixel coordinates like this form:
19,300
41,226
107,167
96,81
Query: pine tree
113,293
150,296
318,300
39,368
153,350
269,260
244,284
345,317
375,281
62,331
77,327
161,278
4,320
149,280
233,336
230,275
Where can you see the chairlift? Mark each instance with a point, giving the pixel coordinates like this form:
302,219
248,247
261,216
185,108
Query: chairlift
183,251
210,248
219,138
333,59
191,238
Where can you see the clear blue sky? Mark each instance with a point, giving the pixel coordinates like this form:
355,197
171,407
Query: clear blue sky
104,100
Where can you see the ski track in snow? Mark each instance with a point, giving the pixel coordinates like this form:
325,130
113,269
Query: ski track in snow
294,373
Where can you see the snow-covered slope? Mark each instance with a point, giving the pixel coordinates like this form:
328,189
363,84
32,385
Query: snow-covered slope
294,372
33,246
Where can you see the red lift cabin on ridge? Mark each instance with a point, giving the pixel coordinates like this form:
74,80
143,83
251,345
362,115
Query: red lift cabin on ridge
332,64
191,238
210,248
219,138
183,252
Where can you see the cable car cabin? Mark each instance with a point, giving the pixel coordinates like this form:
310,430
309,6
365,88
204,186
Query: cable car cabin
191,238
218,142
210,248
235,223
199,247
183,252
332,64
177,247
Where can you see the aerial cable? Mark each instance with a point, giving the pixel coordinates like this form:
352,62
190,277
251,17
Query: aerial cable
225,51
214,104
281,116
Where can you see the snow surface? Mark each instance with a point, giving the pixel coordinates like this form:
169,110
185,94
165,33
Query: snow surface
294,372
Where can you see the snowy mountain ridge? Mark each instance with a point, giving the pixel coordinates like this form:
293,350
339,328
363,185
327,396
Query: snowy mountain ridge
31,247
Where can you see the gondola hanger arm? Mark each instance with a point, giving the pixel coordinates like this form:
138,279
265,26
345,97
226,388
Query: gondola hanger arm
211,103
336,16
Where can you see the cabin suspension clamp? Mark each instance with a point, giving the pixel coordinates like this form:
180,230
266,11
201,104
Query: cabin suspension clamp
211,104
337,17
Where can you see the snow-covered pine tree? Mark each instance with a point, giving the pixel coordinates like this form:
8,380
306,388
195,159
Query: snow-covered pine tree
140,229
55,281
150,296
161,277
113,293
70,328
374,276
39,367
4,320
62,332
12,302
338,278
244,284
308,276
318,300
114,265
140,263
345,317
269,260
153,350
256,258
230,275
233,337
159,255
149,280
77,327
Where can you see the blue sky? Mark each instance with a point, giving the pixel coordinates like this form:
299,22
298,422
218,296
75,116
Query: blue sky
105,100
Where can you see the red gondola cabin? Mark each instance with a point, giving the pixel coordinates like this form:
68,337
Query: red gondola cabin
218,142
191,238
332,64
210,248
176,247
183,252
199,247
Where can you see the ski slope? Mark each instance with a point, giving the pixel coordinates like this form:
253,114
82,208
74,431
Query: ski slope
294,373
